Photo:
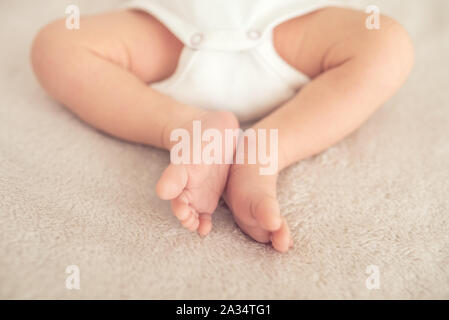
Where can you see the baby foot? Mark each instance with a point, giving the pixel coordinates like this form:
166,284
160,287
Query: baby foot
252,200
195,189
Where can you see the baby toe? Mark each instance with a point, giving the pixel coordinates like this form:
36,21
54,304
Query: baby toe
205,224
191,223
180,209
280,239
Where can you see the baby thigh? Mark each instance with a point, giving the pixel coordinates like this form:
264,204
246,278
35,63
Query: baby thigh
327,38
101,71
132,40
353,71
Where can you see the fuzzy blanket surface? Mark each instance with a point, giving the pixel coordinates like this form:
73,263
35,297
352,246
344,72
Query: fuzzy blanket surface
70,195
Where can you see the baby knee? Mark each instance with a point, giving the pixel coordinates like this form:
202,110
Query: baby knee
393,47
386,52
47,44
396,34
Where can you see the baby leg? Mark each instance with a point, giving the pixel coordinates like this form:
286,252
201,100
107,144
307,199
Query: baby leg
354,71
101,73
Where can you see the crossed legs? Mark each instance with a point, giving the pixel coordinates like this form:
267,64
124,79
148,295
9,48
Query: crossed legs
101,73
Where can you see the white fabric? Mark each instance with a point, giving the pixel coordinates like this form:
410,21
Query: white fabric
229,61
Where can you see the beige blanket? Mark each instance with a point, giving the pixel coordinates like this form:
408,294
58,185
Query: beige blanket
70,195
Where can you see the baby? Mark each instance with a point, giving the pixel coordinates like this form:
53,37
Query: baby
309,69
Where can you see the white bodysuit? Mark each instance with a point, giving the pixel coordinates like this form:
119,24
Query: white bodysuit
229,61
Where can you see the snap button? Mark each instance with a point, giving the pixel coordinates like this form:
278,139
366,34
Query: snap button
196,39
254,34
